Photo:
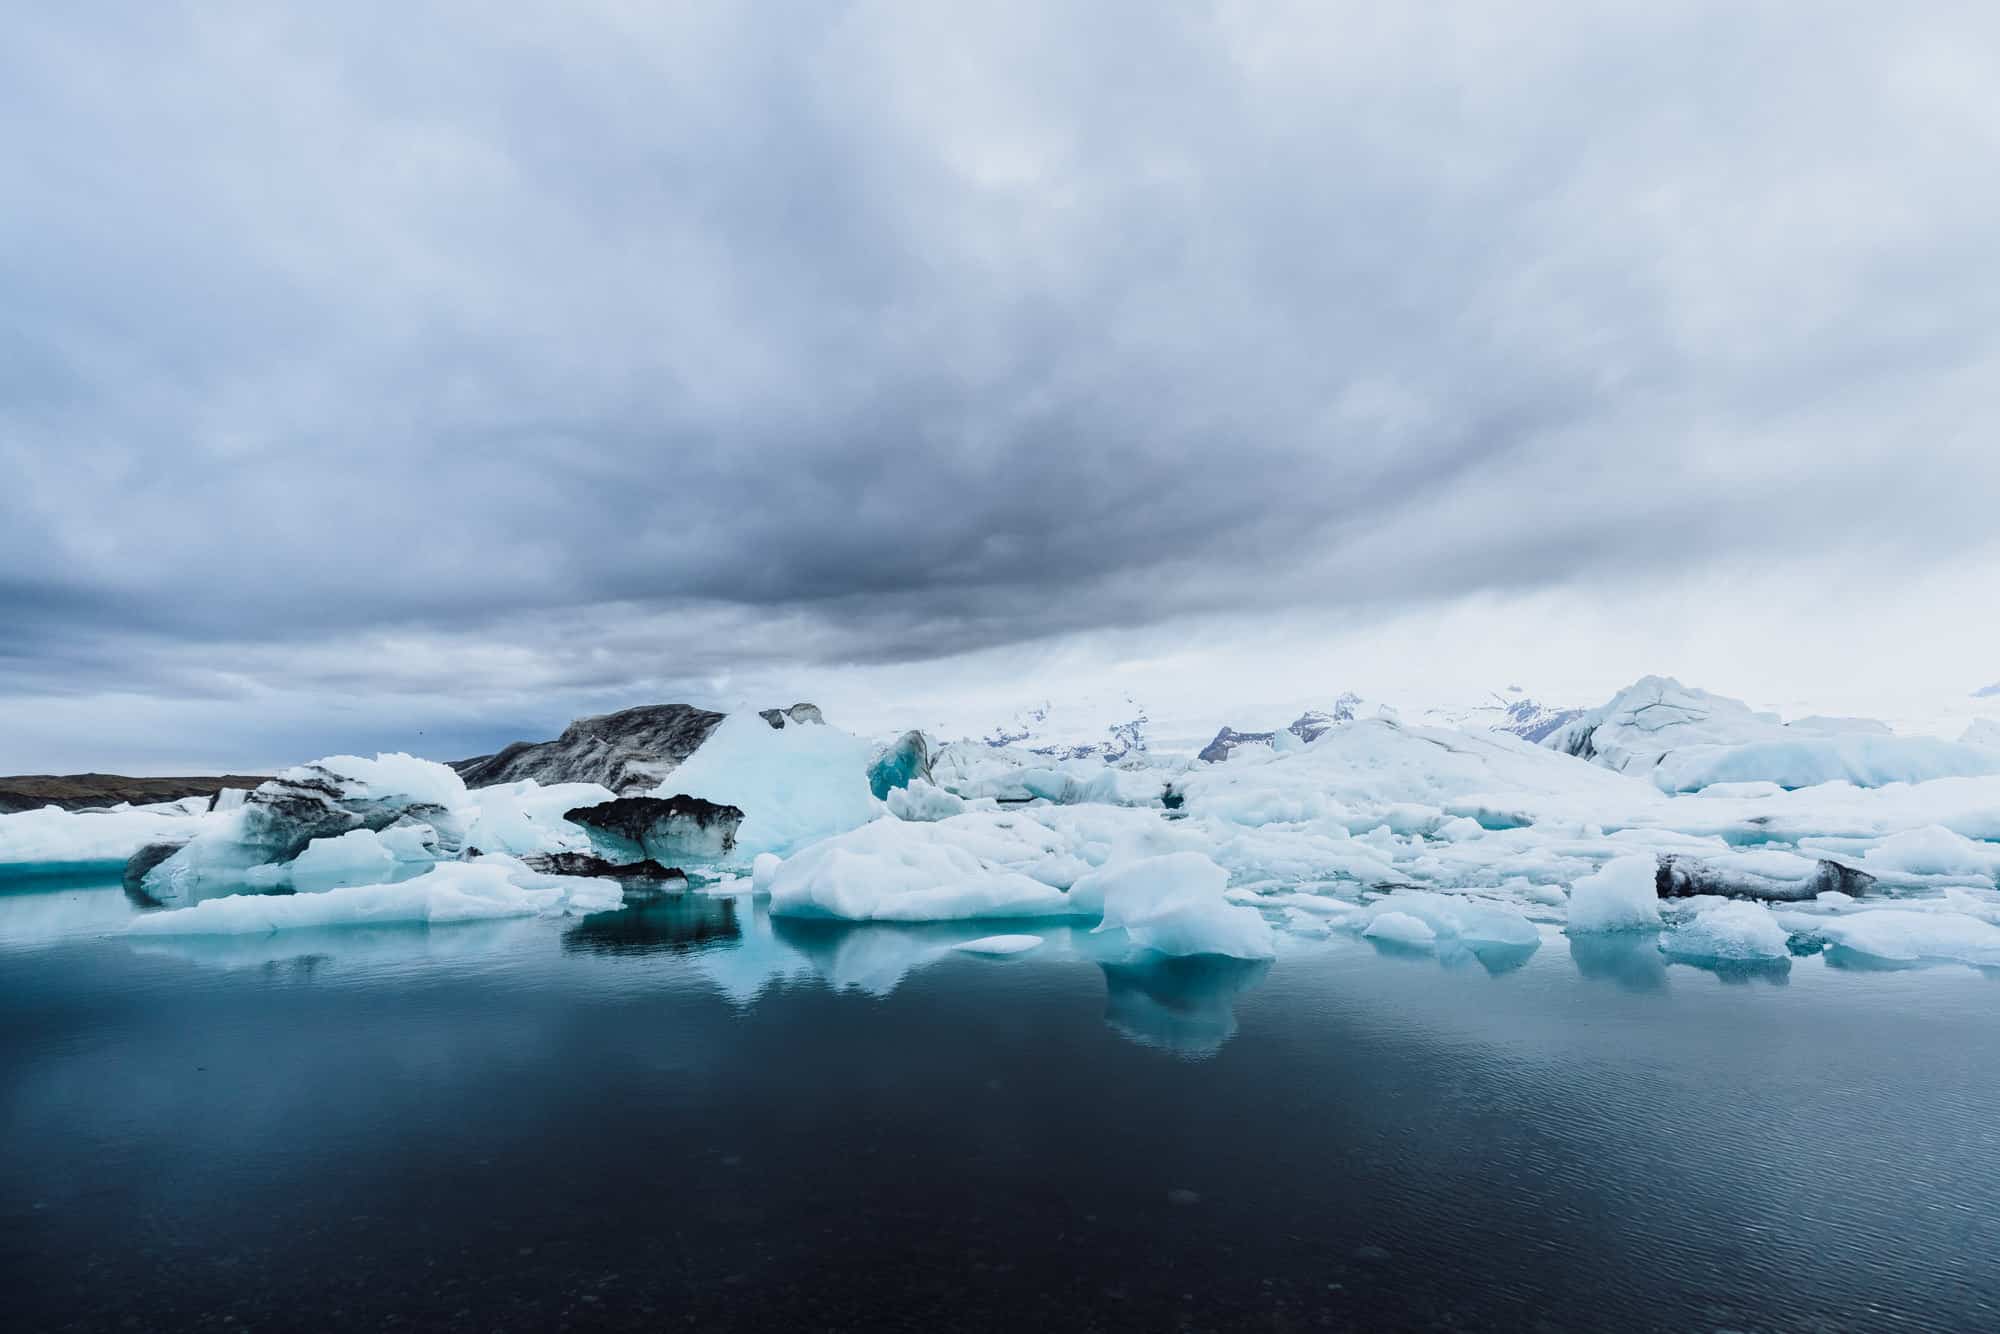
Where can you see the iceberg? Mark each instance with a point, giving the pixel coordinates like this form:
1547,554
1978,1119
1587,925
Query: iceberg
795,785
526,818
1908,936
1174,904
920,800
676,828
1400,928
1732,931
281,818
51,838
1621,897
964,867
902,762
1934,851
1474,922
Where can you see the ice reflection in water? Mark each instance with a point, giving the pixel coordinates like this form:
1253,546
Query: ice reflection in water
1187,1006
655,921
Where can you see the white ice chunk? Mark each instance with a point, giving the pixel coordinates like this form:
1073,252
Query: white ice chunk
526,817
897,870
1932,850
52,836
1400,928
1470,920
1620,897
1174,904
794,785
357,857
1729,931
1903,935
922,800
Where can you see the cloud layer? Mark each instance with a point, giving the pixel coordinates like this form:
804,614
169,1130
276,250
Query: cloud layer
354,352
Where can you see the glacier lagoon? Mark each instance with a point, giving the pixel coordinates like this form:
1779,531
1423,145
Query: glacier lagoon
686,1113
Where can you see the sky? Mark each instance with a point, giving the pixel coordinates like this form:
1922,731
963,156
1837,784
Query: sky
421,377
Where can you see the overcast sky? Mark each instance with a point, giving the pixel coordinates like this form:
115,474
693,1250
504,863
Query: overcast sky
373,378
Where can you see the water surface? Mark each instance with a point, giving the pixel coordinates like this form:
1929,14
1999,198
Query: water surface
682,1115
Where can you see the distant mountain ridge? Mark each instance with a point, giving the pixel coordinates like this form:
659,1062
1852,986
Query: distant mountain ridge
76,792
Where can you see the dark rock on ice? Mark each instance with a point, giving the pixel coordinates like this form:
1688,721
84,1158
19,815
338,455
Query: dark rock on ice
144,860
628,751
679,827
1681,877
312,801
589,864
798,713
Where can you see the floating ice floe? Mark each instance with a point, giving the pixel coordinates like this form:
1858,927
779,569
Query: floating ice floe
490,887
1907,935
1174,904
1729,931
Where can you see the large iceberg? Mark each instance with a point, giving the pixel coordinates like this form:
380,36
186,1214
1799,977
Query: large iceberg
795,785
965,867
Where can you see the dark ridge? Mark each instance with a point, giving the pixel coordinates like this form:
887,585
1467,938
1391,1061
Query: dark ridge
75,792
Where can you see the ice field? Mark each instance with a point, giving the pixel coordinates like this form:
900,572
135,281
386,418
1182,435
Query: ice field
1731,834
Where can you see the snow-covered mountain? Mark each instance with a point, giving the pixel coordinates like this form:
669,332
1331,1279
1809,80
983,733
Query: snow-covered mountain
1109,727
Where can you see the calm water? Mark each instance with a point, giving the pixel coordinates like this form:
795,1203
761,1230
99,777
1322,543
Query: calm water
679,1116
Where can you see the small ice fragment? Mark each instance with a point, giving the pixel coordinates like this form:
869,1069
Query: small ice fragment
1401,929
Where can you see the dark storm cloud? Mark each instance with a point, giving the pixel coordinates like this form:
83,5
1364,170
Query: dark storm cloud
859,333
